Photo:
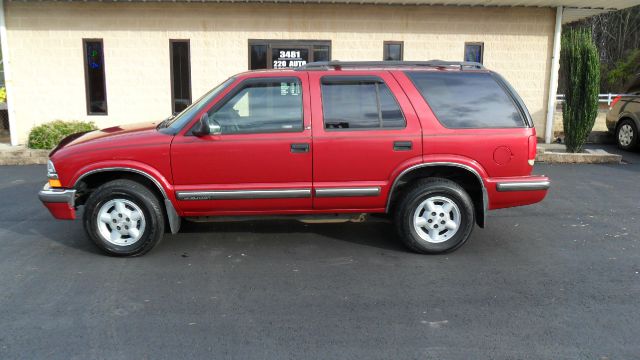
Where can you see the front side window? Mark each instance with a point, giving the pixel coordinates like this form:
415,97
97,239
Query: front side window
467,100
261,106
95,87
359,103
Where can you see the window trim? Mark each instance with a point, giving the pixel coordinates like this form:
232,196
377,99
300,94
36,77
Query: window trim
280,42
385,50
347,79
86,78
474,43
242,85
171,42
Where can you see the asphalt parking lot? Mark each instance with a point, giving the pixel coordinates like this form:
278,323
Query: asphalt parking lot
560,279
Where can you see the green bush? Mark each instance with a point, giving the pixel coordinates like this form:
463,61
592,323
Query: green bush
3,94
47,136
581,68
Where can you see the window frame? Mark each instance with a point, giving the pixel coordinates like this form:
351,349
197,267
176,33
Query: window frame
241,86
385,50
173,100
474,43
350,79
86,78
279,42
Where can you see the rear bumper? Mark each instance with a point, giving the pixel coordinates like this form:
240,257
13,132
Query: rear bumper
60,202
518,191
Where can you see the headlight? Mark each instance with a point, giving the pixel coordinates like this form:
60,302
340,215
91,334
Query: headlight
51,171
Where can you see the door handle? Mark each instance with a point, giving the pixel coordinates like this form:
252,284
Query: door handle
402,145
300,148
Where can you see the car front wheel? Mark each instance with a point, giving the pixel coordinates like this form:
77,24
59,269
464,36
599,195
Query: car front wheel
627,135
124,218
435,216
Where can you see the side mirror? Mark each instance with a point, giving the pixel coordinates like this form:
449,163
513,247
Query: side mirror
206,126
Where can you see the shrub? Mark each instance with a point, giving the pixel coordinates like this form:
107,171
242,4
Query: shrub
3,94
581,65
47,136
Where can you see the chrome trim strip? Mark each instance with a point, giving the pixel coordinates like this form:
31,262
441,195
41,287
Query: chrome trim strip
523,186
347,192
156,182
244,194
51,195
485,196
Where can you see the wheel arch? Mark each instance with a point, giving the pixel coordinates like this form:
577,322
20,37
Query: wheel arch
465,175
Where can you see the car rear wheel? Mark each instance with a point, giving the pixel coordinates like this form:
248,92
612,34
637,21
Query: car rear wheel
435,216
124,218
627,135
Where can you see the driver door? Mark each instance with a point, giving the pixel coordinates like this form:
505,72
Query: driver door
259,158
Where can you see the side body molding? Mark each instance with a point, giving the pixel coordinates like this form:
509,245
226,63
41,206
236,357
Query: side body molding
485,196
172,214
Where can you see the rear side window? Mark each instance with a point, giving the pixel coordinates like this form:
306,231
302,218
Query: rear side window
467,100
359,103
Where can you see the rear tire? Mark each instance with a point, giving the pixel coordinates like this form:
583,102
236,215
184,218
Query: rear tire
124,218
434,216
627,135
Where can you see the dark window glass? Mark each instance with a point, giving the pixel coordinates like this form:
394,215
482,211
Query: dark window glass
94,77
288,57
180,75
258,57
393,51
321,53
359,104
467,100
266,105
473,52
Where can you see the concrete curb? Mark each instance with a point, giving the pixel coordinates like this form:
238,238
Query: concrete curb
556,154
19,155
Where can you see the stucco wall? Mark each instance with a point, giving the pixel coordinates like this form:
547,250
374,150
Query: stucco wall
45,39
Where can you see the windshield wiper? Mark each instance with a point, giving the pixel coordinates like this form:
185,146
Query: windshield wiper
164,123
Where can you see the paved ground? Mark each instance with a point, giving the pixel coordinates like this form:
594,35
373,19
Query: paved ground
551,281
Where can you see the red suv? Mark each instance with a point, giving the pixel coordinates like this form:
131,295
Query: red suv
432,144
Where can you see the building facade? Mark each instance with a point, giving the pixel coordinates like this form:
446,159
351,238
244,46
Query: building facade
123,62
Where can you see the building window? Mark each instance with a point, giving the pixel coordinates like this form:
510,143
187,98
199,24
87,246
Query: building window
359,103
286,54
393,51
95,87
180,75
474,52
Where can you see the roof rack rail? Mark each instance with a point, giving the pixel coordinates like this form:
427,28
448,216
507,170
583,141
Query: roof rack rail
337,65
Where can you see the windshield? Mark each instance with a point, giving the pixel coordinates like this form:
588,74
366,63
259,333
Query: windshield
178,121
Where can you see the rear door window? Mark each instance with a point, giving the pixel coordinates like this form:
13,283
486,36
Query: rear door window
359,103
467,100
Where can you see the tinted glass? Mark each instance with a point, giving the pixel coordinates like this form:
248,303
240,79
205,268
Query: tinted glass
95,83
473,52
289,57
392,52
180,75
269,105
258,57
467,100
359,104
321,53
177,122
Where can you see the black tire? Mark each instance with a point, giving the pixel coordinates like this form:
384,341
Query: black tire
436,188
627,124
140,196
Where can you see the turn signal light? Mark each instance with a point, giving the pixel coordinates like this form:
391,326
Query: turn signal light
55,183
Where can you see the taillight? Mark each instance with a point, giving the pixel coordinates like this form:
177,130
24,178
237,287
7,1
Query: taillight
533,144
615,101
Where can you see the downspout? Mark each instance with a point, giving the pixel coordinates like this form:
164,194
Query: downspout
7,75
553,77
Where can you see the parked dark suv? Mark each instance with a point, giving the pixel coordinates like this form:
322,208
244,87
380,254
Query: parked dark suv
433,144
623,118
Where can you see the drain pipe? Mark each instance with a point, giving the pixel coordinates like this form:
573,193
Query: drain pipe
7,75
553,77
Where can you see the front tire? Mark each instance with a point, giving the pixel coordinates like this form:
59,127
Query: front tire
435,216
627,135
124,218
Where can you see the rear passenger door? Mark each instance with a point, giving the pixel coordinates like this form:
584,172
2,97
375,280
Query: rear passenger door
364,128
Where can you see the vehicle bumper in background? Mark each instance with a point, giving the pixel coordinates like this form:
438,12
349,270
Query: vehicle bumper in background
517,191
60,202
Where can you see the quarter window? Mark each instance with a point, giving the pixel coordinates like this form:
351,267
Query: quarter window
467,100
95,88
359,103
261,106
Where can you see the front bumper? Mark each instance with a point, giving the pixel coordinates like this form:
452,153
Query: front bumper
60,202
